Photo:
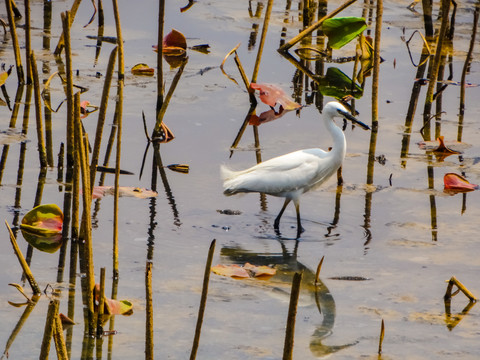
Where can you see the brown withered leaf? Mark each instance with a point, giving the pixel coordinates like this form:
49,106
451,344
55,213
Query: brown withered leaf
243,272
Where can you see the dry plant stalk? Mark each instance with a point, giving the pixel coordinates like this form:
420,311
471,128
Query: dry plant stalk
436,60
49,328
28,42
38,112
292,314
119,115
61,41
60,345
86,228
376,64
382,335
16,47
262,40
23,263
453,281
239,66
203,300
314,27
319,268
161,21
69,88
163,109
149,313
102,114
101,303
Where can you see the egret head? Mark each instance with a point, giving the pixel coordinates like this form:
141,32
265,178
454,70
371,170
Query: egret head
335,109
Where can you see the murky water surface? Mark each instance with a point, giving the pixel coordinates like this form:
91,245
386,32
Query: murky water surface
402,235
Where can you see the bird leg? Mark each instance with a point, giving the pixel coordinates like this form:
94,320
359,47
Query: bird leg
276,224
300,229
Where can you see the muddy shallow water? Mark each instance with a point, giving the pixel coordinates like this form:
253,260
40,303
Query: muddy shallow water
402,235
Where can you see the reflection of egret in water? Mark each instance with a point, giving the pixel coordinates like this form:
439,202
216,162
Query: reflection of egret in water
287,265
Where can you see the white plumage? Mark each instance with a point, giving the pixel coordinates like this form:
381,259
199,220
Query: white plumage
293,174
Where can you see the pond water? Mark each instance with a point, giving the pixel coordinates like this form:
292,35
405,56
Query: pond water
401,237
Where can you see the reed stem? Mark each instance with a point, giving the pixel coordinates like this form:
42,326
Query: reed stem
314,27
292,314
23,262
203,300
49,328
149,313
16,47
38,112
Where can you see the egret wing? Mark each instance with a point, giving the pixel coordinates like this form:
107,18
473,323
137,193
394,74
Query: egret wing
297,171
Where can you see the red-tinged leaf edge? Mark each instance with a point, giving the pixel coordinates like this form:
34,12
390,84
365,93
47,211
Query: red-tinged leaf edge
175,39
458,183
43,220
442,148
271,95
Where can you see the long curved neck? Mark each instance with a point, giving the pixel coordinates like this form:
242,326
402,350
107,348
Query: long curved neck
339,142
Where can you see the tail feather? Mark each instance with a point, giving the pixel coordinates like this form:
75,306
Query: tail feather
229,183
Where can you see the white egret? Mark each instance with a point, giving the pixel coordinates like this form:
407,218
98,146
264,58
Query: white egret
293,174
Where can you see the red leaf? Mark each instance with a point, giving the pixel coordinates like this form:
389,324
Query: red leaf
272,95
458,183
175,39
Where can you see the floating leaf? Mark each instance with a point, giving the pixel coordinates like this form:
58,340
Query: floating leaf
458,183
338,85
43,220
143,69
242,272
109,170
118,307
12,136
233,271
183,168
130,191
112,307
340,31
272,95
442,148
4,75
259,271
174,48
203,48
174,39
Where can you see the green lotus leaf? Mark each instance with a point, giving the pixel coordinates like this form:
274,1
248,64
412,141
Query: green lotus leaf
340,31
337,84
